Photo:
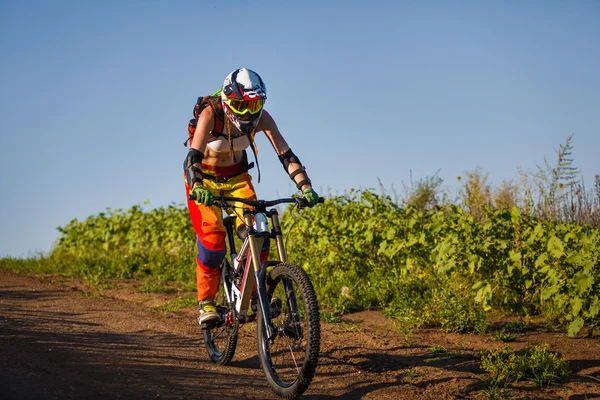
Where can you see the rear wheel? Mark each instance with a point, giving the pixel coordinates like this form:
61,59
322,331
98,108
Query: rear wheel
221,340
289,358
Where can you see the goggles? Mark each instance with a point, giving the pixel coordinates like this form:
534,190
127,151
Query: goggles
243,106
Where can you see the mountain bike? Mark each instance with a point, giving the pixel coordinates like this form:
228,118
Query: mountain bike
277,295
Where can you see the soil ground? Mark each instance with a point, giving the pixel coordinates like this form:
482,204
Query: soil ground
59,340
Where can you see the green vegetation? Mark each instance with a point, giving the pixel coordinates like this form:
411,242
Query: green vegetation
335,318
155,247
510,331
441,266
421,259
439,353
177,304
505,336
537,364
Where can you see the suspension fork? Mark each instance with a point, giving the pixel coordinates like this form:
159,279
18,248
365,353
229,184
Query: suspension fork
290,294
278,236
256,240
288,284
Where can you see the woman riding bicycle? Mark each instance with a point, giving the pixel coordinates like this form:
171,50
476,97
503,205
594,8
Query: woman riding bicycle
217,164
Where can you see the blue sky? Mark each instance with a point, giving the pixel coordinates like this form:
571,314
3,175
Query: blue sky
95,96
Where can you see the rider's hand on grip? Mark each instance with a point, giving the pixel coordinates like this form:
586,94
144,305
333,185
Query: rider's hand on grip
312,198
301,202
202,196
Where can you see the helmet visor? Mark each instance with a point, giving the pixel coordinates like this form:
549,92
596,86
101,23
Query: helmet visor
244,106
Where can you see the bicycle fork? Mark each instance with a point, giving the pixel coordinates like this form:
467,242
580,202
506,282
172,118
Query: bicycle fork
261,278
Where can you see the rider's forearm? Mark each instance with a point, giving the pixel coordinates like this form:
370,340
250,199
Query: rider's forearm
301,179
297,172
193,168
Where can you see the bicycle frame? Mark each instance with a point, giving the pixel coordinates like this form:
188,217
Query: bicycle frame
248,260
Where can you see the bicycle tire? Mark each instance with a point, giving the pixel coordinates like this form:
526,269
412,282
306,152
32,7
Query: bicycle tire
290,362
221,341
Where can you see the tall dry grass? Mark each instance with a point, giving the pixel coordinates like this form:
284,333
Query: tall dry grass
556,191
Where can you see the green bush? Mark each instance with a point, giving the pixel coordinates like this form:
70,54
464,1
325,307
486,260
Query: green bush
401,259
424,266
537,364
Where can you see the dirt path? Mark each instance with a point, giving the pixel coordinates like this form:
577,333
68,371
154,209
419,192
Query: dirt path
56,342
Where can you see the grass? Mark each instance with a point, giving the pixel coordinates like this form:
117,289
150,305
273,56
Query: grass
504,336
439,353
351,328
510,331
537,364
155,284
410,373
174,306
332,318
515,327
493,388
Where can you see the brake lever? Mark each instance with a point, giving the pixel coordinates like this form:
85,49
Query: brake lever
216,202
301,202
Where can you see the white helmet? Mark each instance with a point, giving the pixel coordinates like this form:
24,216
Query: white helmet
244,94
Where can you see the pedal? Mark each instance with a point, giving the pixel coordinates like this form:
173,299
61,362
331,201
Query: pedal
211,324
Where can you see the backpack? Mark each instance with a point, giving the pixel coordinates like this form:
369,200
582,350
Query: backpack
214,101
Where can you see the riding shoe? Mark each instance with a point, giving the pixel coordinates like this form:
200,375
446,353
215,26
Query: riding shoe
208,313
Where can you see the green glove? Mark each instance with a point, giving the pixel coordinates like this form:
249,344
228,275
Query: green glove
311,196
203,196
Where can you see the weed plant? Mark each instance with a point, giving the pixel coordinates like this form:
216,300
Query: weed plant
537,364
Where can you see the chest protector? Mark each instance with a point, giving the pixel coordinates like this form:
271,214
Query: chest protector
215,103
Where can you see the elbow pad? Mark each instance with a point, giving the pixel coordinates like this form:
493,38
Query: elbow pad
193,167
286,159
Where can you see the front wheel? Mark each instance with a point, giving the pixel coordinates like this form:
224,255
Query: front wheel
289,358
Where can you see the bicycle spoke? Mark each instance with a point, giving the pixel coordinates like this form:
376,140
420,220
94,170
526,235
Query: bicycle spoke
290,359
292,353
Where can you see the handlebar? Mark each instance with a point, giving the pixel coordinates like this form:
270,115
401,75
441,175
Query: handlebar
260,205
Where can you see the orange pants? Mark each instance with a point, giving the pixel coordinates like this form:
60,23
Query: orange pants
210,231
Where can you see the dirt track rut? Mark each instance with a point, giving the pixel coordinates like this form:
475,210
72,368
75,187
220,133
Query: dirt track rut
57,342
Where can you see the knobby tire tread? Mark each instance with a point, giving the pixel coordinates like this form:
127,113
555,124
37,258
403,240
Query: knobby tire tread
229,351
305,286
